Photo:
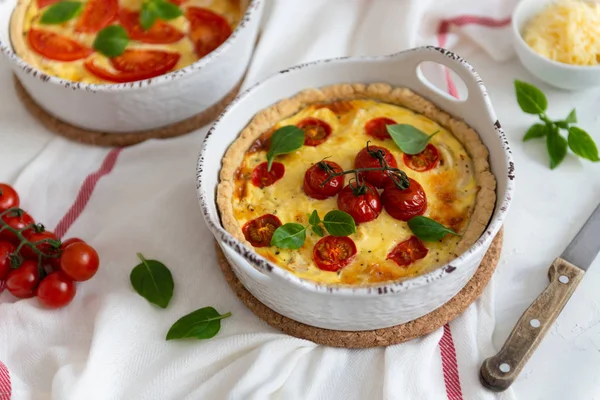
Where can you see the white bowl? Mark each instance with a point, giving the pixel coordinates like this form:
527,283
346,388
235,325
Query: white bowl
342,307
560,75
141,105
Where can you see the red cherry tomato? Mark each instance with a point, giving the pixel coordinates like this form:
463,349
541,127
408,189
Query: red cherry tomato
262,177
96,15
55,262
135,65
56,47
8,197
315,130
22,281
404,204
79,261
407,252
159,33
44,3
6,250
208,30
259,231
423,161
33,237
377,128
333,253
362,207
15,221
364,159
315,176
56,290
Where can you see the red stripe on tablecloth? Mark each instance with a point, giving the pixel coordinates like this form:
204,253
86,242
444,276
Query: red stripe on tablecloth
5,387
85,192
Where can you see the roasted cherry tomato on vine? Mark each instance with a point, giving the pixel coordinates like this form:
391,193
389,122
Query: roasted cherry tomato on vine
79,261
377,128
404,204
21,282
316,175
17,220
365,159
259,231
96,15
33,237
208,30
423,161
262,177
55,261
333,253
8,197
56,290
316,131
363,204
160,32
6,250
56,47
407,252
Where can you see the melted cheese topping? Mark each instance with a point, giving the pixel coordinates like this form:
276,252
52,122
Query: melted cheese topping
568,32
450,188
75,70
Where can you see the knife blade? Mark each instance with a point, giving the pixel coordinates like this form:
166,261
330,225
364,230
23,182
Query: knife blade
500,371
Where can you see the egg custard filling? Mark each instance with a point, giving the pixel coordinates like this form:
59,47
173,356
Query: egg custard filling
118,41
341,202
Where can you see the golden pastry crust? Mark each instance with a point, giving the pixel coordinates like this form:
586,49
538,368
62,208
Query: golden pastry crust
265,119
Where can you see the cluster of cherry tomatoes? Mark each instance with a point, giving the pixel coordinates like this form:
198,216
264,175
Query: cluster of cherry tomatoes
34,262
363,199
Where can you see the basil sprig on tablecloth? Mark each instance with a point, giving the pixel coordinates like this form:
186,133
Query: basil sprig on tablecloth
408,138
61,12
157,9
428,230
533,101
284,140
292,235
111,41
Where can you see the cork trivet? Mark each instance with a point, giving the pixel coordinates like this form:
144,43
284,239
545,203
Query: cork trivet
379,337
122,139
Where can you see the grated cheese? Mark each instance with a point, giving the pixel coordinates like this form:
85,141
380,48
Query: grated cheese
567,31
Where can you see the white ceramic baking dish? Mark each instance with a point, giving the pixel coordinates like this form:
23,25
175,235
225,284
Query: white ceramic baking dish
382,305
141,105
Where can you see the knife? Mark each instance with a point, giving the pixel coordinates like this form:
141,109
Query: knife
500,371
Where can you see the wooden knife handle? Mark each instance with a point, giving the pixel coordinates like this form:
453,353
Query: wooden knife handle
500,371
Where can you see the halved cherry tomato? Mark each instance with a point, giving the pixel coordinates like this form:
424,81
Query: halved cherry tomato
21,282
407,252
316,175
44,3
259,231
316,131
363,206
33,237
423,161
377,127
79,261
6,250
136,65
56,47
55,262
365,159
8,197
56,290
404,204
262,177
96,15
208,30
333,253
16,220
159,33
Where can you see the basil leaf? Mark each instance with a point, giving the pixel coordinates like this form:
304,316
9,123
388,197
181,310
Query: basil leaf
536,131
408,138
61,12
313,218
531,99
166,10
285,140
318,230
557,148
428,230
111,41
204,323
289,236
153,281
147,16
339,223
582,144
562,124
572,117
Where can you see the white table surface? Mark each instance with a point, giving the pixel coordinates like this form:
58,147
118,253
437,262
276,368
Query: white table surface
549,208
